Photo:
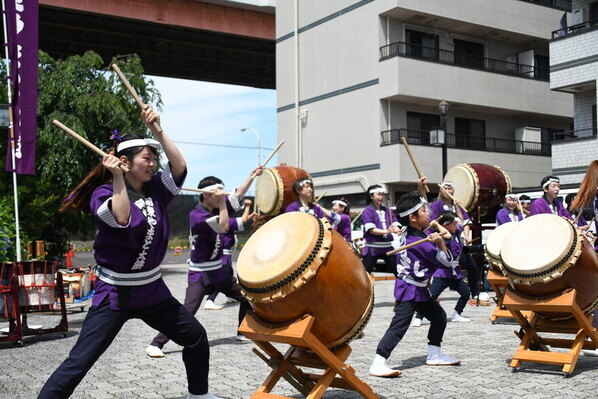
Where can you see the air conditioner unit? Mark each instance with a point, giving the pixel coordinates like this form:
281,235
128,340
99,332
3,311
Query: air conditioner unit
529,133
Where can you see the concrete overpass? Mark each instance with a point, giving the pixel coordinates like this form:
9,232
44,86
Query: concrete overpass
210,40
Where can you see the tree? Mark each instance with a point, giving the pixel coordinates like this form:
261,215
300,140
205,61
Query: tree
87,97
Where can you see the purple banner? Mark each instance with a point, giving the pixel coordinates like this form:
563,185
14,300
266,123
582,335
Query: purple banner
22,29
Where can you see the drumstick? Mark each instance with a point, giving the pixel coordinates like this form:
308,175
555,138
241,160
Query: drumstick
200,190
413,244
319,198
85,142
270,157
451,197
419,172
134,94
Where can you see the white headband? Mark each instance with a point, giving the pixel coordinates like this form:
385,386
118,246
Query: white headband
525,201
304,182
137,143
214,187
377,190
511,195
454,220
550,181
415,208
342,203
447,183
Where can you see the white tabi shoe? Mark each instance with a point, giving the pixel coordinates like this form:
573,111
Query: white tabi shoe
590,352
231,300
458,318
154,351
416,322
242,338
204,396
210,305
437,358
484,296
380,369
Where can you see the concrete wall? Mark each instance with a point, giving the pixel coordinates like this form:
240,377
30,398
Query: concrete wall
571,159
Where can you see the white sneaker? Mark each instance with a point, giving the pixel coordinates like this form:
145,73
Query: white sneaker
458,318
590,352
484,296
416,322
210,305
242,338
231,300
437,358
154,351
380,369
204,396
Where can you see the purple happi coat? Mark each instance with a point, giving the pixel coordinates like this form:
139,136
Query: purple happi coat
417,265
505,216
313,209
344,227
228,239
455,245
541,205
377,218
439,206
138,247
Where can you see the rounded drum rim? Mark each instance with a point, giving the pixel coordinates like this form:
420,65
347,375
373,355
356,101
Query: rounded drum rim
276,182
466,200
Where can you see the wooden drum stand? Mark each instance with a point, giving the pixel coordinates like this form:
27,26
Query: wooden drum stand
535,348
306,350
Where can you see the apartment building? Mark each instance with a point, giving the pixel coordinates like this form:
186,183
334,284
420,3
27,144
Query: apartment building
355,76
574,69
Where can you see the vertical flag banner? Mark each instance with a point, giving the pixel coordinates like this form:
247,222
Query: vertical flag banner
22,21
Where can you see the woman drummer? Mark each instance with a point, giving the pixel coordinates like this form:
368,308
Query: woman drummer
132,236
378,222
342,208
304,189
510,212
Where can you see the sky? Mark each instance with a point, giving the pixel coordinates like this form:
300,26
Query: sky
213,113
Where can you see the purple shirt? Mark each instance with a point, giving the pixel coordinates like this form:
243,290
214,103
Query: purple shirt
439,206
379,219
205,260
455,245
313,209
417,265
228,239
541,205
505,216
139,246
344,227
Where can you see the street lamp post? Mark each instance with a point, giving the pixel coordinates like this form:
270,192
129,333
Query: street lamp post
443,108
258,142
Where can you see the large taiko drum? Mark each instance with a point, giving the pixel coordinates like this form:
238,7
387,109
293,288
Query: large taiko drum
296,264
546,254
478,185
494,244
274,188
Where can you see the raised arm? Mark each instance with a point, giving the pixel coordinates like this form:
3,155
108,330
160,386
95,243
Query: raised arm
243,187
121,208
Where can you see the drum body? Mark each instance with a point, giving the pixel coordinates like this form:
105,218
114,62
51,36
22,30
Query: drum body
479,185
296,264
274,188
494,244
546,254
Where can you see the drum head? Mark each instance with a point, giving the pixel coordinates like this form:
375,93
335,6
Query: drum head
277,249
537,244
268,188
466,184
496,238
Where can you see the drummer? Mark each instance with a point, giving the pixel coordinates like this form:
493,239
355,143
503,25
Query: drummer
510,212
547,203
525,201
208,221
304,189
342,207
411,288
378,223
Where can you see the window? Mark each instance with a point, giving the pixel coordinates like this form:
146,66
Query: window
594,13
421,44
542,67
419,126
470,133
469,54
594,125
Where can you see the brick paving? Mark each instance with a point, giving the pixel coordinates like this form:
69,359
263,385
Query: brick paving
124,371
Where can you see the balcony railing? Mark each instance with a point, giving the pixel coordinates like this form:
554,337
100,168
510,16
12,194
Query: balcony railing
491,144
402,49
576,29
564,5
572,135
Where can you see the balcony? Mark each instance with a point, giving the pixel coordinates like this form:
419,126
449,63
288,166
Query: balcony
577,29
574,135
432,54
490,144
564,5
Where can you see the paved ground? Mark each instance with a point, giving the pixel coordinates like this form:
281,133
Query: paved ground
126,372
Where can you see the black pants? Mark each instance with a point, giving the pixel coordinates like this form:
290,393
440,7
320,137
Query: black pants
473,276
440,284
194,295
214,294
369,261
399,324
102,324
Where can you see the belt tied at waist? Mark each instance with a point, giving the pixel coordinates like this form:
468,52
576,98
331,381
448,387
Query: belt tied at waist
415,282
127,279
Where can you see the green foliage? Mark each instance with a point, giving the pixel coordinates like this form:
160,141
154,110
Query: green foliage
83,93
8,232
